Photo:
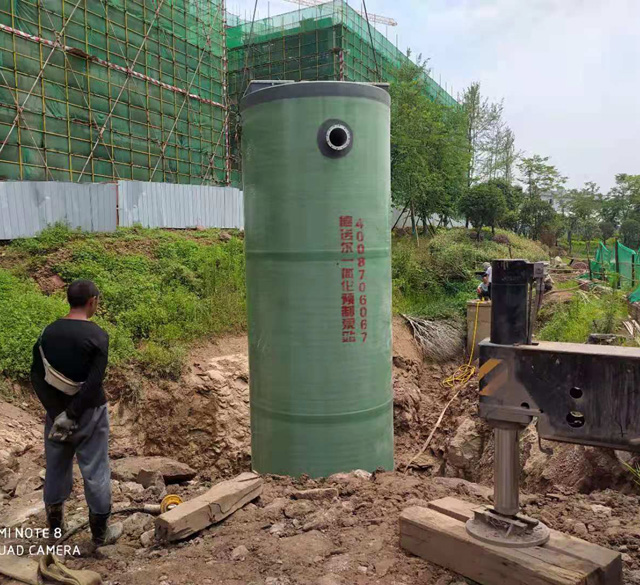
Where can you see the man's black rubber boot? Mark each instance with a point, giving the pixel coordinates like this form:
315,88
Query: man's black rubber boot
55,520
103,533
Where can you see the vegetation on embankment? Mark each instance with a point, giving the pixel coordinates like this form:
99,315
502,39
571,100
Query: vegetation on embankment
584,314
160,291
436,277
163,290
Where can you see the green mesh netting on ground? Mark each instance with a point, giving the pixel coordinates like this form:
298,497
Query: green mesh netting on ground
602,265
626,265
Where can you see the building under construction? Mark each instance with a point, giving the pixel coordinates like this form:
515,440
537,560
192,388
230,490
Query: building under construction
116,89
148,90
329,41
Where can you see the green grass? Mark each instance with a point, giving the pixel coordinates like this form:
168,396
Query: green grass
436,278
579,247
24,312
160,291
583,315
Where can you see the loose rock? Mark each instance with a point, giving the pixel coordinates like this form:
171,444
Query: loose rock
466,446
148,538
115,551
299,509
600,510
239,553
172,471
316,494
277,529
580,529
136,524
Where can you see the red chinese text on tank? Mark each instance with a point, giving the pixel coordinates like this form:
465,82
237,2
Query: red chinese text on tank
353,279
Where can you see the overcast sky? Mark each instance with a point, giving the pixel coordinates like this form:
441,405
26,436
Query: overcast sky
568,70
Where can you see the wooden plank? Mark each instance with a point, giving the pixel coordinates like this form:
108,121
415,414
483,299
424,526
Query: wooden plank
22,569
603,565
454,508
443,540
438,534
213,506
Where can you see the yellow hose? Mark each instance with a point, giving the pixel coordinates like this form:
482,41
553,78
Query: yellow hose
466,371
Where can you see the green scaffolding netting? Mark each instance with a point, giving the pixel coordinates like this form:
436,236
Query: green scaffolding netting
330,41
80,103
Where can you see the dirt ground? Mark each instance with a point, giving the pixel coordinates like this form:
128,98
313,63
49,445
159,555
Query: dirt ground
352,539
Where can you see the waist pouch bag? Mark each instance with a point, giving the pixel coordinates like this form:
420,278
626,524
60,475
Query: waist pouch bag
58,380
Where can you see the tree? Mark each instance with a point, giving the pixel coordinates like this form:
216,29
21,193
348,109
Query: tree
630,232
539,177
429,153
607,230
507,156
484,205
483,117
588,231
623,200
579,208
535,215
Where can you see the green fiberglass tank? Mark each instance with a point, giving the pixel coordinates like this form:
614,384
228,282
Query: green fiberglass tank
316,168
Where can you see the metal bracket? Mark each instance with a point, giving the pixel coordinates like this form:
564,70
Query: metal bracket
510,531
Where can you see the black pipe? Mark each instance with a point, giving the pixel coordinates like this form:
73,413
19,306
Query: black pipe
510,280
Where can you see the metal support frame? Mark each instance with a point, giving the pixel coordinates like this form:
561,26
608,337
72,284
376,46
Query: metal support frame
578,393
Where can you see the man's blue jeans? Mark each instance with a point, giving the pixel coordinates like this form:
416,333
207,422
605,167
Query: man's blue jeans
90,444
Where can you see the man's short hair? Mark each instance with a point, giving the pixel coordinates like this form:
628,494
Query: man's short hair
80,291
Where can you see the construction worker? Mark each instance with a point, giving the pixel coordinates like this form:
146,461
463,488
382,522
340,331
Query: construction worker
484,291
69,362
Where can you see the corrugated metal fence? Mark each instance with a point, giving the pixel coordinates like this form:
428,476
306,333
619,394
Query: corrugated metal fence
27,207
179,206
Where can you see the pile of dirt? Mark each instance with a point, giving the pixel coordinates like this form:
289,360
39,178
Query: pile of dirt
352,538
203,419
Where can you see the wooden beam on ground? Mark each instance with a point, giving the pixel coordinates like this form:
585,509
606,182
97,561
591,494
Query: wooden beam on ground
22,569
213,506
438,534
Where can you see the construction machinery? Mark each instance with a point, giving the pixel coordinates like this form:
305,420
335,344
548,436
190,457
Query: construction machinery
576,393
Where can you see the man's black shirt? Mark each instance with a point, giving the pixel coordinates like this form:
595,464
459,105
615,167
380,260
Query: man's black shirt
79,350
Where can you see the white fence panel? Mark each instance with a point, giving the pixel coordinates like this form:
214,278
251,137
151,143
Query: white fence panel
166,205
27,207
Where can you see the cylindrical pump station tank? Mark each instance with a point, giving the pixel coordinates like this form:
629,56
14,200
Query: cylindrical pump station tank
316,168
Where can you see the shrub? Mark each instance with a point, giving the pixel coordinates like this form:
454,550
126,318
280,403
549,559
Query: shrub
585,314
24,313
501,239
153,304
163,361
455,257
437,278
49,239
